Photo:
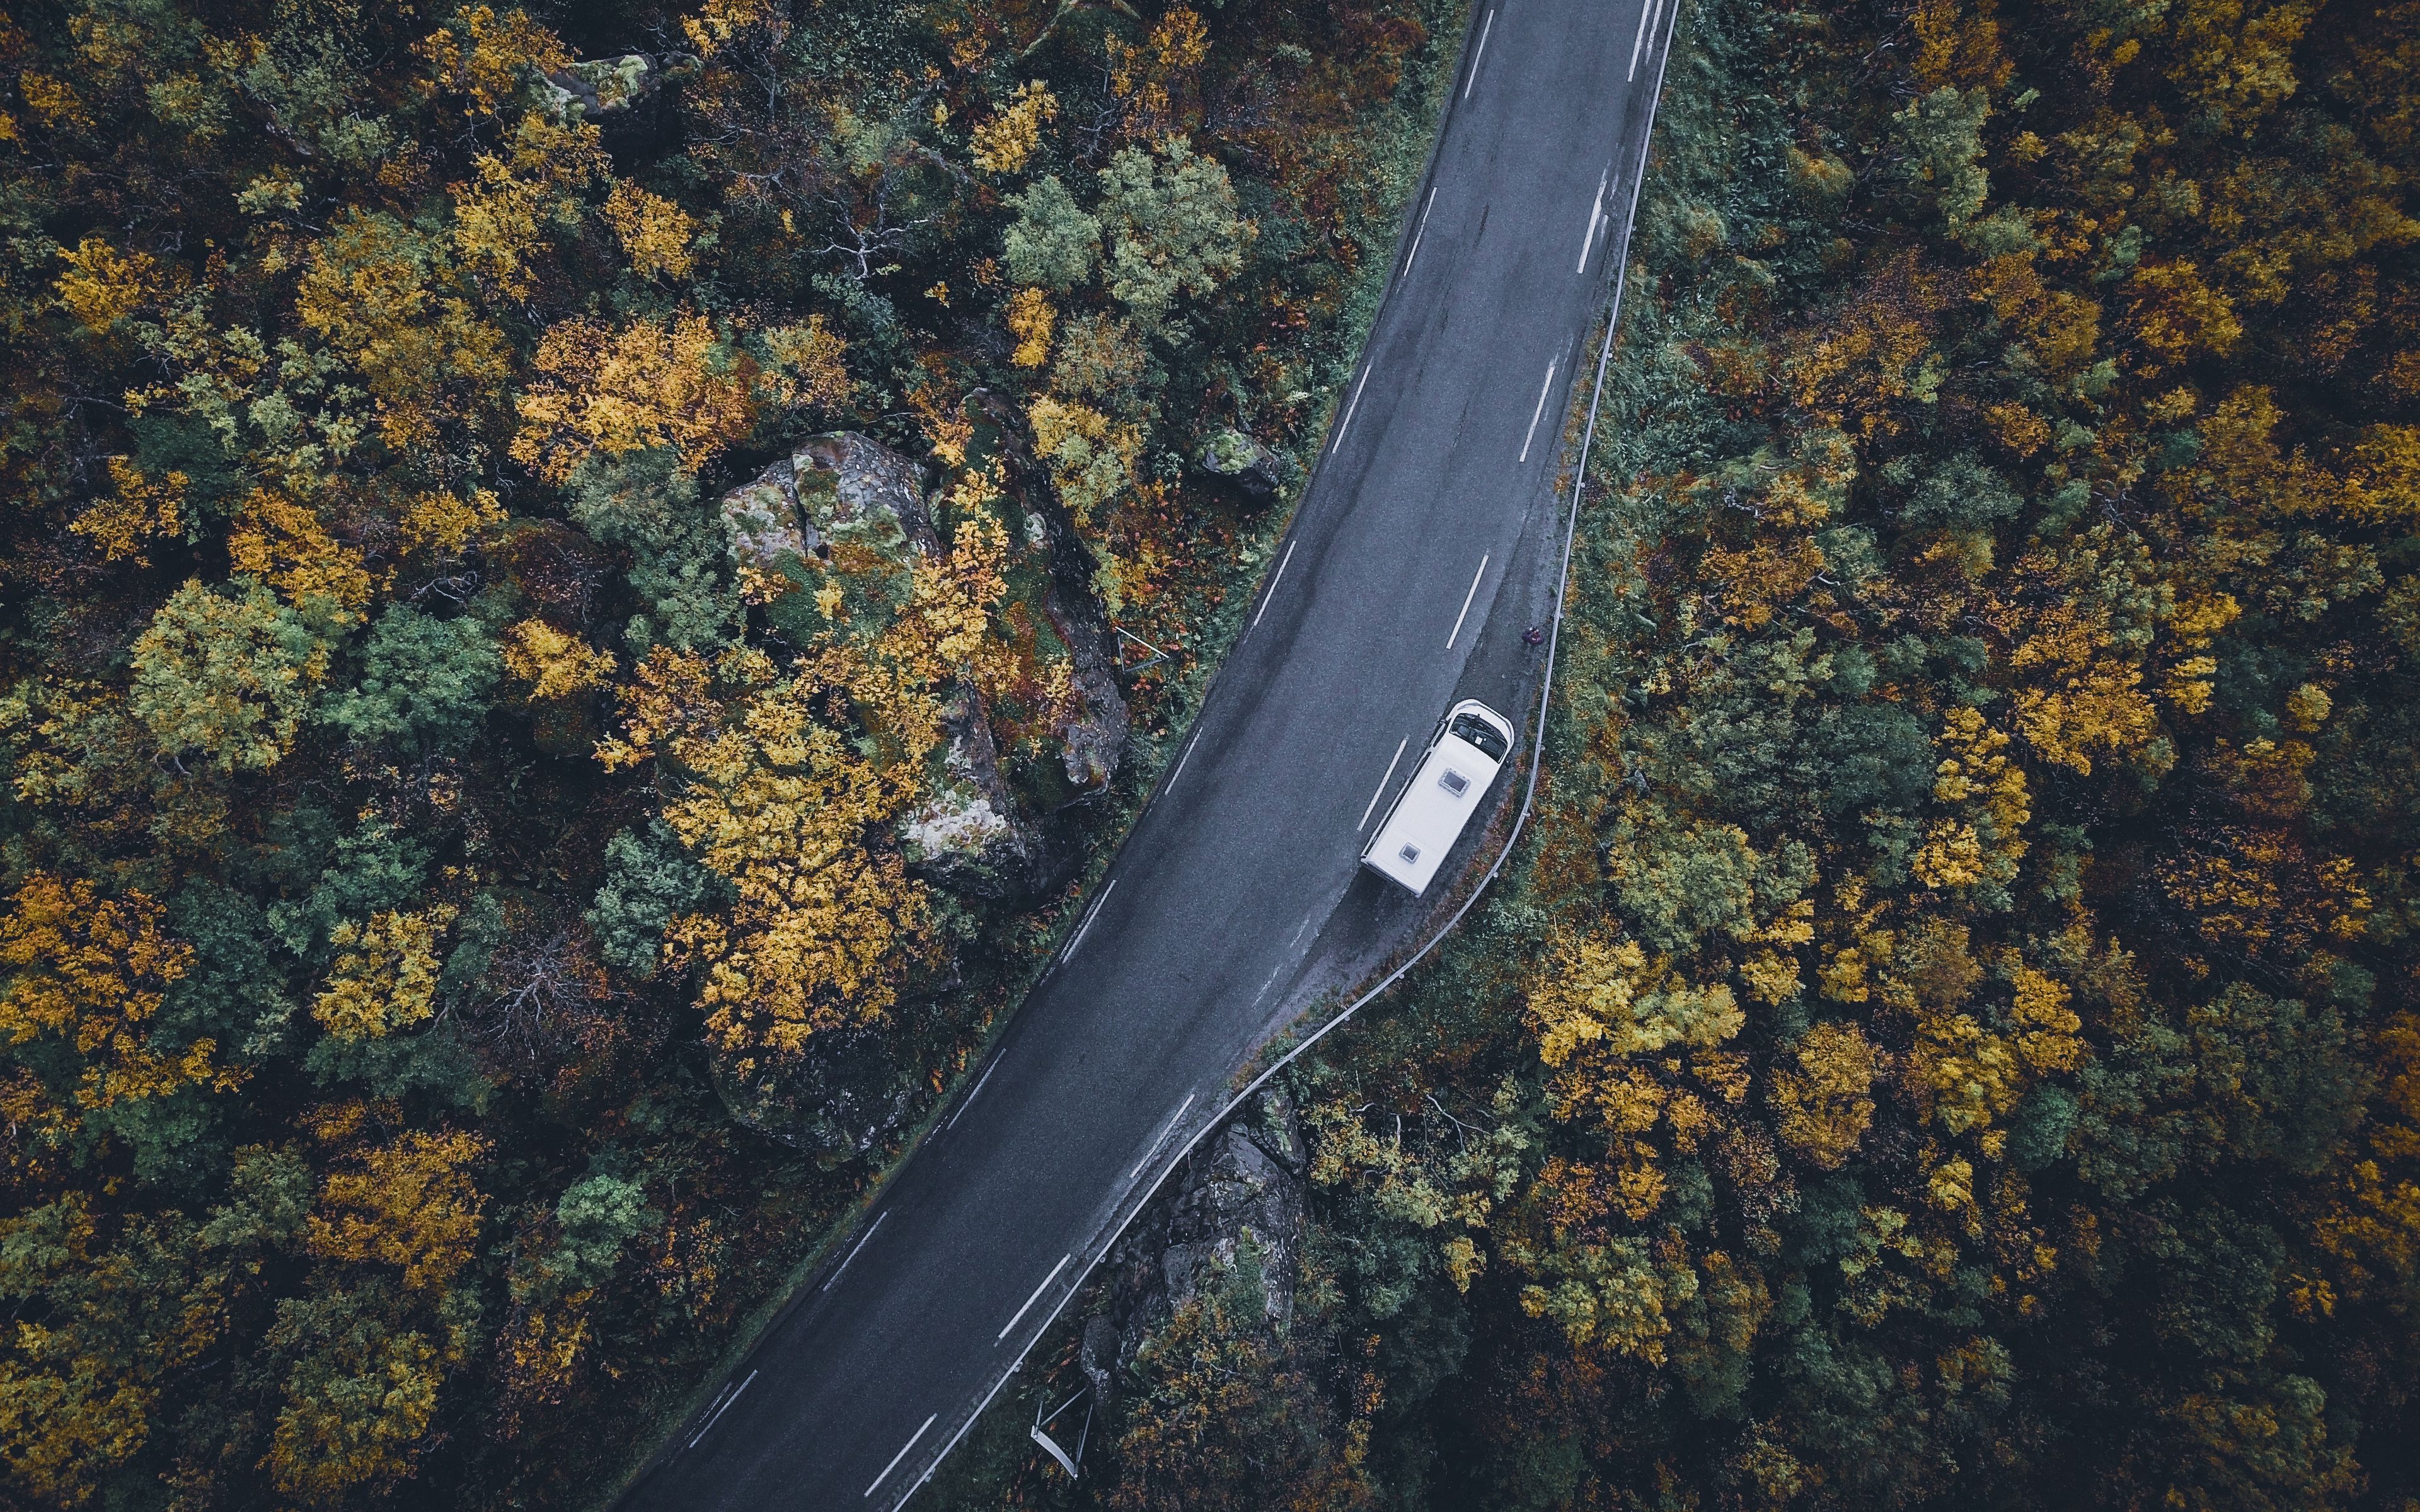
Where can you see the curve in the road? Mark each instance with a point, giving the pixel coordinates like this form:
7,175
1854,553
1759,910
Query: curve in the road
1118,1061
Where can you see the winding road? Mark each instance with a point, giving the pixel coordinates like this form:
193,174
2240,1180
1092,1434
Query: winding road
1440,466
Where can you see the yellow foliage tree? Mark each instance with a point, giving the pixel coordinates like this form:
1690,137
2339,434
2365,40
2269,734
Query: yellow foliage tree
411,1204
655,233
654,382
791,813
556,665
385,979
136,510
89,973
1823,1097
1004,143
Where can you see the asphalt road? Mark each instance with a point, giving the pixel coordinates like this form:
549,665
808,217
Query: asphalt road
1441,463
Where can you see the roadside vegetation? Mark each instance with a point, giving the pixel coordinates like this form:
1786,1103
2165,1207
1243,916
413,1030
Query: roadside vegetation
580,582
1951,1037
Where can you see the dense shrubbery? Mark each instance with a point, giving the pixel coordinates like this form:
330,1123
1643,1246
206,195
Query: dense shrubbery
1951,1039
468,900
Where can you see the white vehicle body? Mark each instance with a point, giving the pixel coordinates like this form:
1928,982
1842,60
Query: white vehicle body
1445,789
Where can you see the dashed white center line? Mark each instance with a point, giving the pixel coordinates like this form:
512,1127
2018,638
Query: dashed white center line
901,1454
1180,764
1382,785
1543,390
1479,52
1161,1137
726,1402
1420,233
1465,602
1086,928
864,1238
1356,403
1029,1302
1279,578
1596,213
1646,19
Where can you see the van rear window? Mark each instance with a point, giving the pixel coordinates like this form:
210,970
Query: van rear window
1477,731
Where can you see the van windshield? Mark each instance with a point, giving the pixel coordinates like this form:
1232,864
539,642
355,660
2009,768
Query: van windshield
1477,731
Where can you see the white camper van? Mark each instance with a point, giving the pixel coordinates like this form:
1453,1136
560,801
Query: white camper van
1444,792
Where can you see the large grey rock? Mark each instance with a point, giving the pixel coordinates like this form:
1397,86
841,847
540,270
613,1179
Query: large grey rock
761,518
839,1099
607,86
858,492
857,507
1256,471
971,835
1240,1199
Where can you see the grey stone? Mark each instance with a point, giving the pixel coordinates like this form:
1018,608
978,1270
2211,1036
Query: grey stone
1254,469
606,85
1241,1199
761,518
971,835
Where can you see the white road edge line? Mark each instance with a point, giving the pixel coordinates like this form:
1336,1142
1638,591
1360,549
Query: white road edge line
1160,1139
1479,52
1348,411
1281,577
1180,764
1596,213
1087,926
1036,1297
1424,230
714,1408
1465,601
1382,786
1534,414
868,1235
724,1408
971,1096
901,1454
1646,18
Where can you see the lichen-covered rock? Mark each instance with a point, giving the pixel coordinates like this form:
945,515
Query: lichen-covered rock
602,87
1239,1200
1093,739
1254,469
760,517
971,835
859,492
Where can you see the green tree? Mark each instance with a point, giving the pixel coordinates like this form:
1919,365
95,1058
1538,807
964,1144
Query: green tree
1174,227
225,674
1052,244
423,685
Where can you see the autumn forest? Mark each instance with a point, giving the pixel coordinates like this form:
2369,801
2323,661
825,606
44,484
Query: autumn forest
585,584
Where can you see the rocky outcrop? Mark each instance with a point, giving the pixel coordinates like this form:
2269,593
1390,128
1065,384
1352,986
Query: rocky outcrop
607,86
857,492
971,835
837,1099
1256,471
760,517
1239,1200
854,506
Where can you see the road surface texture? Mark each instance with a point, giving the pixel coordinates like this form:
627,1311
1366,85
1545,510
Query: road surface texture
1421,524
